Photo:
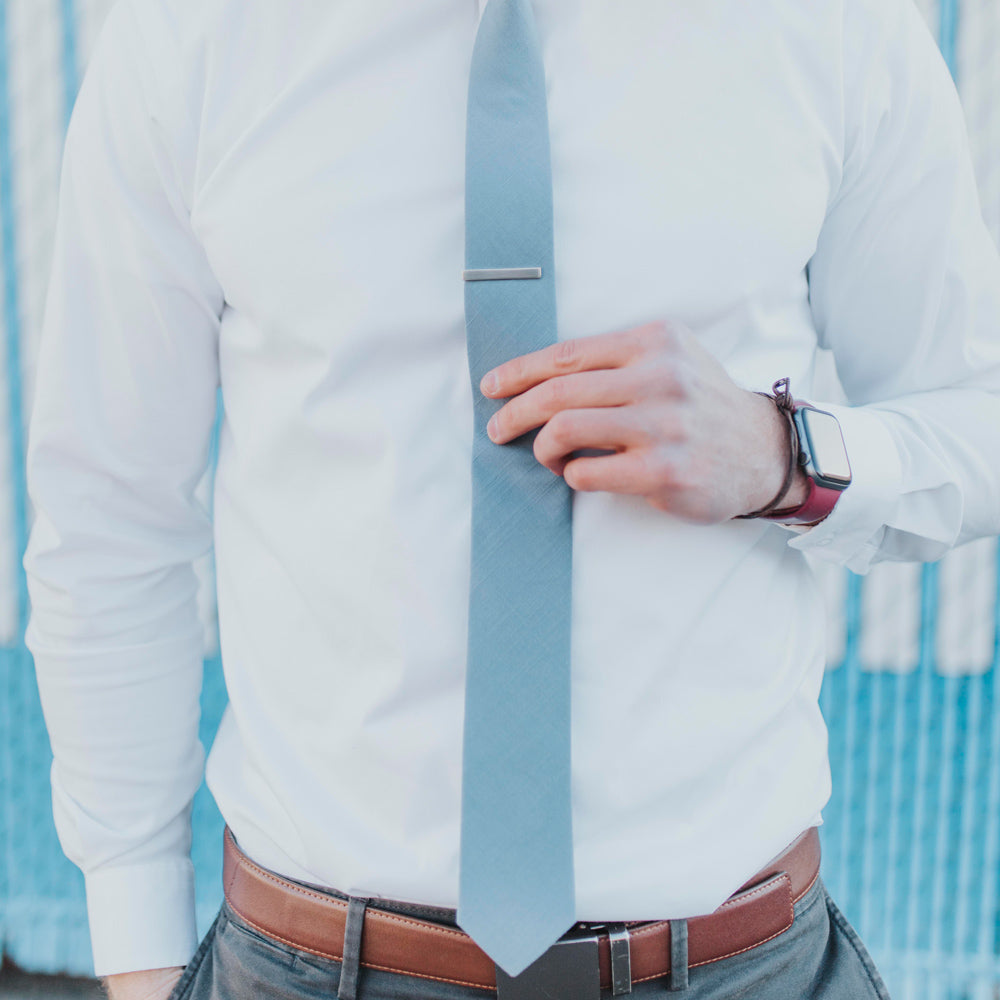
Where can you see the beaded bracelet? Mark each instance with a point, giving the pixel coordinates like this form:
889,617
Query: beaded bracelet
782,397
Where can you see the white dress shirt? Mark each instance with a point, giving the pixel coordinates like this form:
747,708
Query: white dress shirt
269,197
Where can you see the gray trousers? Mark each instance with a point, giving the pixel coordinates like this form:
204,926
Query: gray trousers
820,957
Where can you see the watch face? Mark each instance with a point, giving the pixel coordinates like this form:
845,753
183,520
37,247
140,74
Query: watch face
826,447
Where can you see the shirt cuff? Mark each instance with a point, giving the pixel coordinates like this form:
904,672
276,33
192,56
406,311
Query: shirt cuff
852,533
142,916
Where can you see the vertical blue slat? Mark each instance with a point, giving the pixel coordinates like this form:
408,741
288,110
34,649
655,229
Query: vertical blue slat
897,844
942,912
948,14
851,670
970,812
987,917
12,326
70,65
943,908
917,901
11,313
871,874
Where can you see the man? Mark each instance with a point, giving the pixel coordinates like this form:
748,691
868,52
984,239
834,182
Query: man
270,197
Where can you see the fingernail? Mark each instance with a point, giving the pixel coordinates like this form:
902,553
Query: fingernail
489,383
491,428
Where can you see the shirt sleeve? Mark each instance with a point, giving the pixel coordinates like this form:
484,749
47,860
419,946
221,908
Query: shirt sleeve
904,289
119,437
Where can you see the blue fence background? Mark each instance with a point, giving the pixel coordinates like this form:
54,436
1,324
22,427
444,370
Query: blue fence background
912,833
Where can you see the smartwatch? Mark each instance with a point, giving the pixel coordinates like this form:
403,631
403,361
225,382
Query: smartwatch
823,457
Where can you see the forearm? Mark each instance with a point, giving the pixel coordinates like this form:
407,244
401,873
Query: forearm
904,289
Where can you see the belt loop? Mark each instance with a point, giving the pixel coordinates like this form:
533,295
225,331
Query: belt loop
621,959
678,955
348,988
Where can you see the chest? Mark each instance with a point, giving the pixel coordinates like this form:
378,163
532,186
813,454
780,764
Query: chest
694,146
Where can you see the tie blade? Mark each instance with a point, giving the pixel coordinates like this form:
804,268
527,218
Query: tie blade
508,191
517,889
516,884
516,941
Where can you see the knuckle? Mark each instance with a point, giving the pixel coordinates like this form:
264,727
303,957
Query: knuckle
646,425
659,469
684,427
561,427
674,423
658,380
565,353
657,335
556,392
654,424
666,336
684,381
642,338
515,370
547,445
674,331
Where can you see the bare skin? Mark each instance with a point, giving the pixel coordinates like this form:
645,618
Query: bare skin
684,436
150,984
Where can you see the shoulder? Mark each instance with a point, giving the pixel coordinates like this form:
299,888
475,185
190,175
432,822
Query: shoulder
891,59
158,42
164,23
140,94
886,31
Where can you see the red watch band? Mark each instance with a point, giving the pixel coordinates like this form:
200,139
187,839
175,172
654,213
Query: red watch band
818,503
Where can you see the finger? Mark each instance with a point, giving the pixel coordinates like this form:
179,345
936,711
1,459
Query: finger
607,427
537,405
603,350
626,472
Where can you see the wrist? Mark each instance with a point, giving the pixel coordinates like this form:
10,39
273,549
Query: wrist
776,478
816,463
798,492
822,456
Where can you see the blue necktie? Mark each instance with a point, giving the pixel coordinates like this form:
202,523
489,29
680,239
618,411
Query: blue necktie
516,894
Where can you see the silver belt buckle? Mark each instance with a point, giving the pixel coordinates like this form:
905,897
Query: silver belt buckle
570,969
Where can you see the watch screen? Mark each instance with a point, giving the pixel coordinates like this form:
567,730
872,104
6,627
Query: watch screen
826,444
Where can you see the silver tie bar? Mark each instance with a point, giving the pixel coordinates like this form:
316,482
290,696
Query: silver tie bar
501,273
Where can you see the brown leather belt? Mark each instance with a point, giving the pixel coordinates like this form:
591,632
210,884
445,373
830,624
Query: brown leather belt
314,922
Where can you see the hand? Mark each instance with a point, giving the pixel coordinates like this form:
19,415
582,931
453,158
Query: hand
151,984
682,434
